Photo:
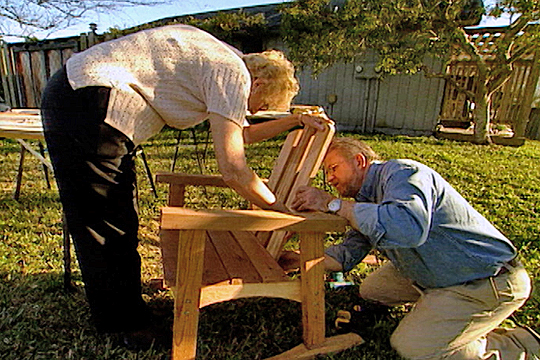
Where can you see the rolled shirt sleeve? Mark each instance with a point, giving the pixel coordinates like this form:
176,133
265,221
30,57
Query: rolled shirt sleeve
351,251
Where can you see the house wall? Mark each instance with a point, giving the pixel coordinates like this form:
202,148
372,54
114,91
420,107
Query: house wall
359,99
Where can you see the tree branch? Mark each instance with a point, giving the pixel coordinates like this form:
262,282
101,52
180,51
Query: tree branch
31,15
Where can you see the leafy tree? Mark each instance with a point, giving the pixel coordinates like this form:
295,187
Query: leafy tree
231,27
20,18
320,33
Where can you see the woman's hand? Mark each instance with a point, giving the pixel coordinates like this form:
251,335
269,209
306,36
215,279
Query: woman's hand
230,156
314,120
269,129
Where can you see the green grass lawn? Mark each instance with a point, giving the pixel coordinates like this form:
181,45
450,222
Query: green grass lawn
38,320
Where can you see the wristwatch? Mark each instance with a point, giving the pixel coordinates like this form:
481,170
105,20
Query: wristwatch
334,206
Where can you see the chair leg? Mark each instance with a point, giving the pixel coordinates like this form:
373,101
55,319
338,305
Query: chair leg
17,192
312,272
178,140
45,169
315,343
148,172
187,294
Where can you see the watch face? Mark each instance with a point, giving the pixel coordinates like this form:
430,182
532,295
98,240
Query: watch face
334,205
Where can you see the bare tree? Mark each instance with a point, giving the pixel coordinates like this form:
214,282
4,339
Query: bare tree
21,18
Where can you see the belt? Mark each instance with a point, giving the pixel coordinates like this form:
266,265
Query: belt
511,264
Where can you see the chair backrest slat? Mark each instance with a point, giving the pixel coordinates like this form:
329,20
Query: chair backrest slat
297,164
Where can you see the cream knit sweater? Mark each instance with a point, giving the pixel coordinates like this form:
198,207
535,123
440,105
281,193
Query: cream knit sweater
172,75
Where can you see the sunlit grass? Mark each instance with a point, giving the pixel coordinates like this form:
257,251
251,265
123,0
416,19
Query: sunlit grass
38,320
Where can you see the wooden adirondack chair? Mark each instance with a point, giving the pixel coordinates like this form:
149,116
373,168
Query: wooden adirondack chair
211,256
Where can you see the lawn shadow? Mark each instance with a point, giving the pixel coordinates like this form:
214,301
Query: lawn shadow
39,319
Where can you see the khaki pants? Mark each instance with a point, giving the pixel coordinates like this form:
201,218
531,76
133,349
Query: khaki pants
458,322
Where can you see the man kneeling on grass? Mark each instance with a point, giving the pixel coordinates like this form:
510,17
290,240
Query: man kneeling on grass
458,269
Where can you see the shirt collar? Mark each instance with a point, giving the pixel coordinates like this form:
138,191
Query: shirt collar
367,191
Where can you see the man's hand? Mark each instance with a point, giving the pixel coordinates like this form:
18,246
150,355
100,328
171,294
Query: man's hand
311,199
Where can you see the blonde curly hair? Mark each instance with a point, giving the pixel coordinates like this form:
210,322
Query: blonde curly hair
273,66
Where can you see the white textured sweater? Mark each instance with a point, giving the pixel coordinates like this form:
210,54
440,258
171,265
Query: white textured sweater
172,75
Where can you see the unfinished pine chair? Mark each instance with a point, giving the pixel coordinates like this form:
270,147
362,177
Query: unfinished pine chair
211,256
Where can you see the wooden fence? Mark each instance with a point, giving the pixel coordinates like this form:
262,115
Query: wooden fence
507,102
510,105
26,67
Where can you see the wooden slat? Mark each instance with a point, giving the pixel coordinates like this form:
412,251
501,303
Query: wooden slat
267,268
290,173
235,261
187,294
55,61
26,64
214,271
312,158
66,54
330,345
264,237
6,71
169,254
217,293
529,91
248,220
39,74
291,141
281,165
176,195
312,270
275,243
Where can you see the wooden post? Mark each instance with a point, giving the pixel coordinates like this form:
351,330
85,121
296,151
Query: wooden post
525,111
83,42
39,74
92,37
312,271
176,195
7,69
187,293
54,61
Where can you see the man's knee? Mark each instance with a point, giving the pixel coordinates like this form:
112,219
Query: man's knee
370,290
379,292
410,349
387,286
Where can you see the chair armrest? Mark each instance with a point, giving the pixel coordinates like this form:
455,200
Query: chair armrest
191,179
174,218
178,182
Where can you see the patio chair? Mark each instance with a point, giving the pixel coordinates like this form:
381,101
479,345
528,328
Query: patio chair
211,256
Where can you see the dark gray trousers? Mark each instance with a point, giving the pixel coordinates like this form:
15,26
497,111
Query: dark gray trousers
95,172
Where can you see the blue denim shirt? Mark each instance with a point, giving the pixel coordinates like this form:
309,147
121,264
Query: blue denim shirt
426,228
